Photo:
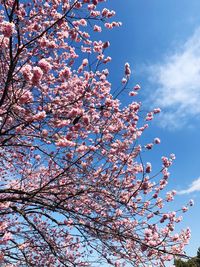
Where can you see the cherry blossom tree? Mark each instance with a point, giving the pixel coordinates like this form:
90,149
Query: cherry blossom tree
74,188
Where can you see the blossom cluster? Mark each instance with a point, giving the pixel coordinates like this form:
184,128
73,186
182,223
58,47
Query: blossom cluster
74,187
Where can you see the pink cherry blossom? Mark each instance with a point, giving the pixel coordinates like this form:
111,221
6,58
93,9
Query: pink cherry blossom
37,75
148,167
137,87
157,140
7,28
27,72
75,188
44,65
97,28
127,70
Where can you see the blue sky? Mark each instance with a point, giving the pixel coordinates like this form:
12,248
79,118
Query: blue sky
161,41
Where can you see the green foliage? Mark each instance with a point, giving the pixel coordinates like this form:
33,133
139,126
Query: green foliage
189,263
194,262
198,257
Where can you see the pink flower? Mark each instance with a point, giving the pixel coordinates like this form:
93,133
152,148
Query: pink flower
39,116
124,80
7,28
97,28
127,70
4,41
108,25
44,65
85,62
137,87
26,97
81,148
107,13
104,12
148,232
44,133
156,110
132,93
166,162
65,73
148,167
149,146
106,60
63,142
94,13
27,72
149,116
83,22
164,217
157,140
37,157
37,75
170,196
184,209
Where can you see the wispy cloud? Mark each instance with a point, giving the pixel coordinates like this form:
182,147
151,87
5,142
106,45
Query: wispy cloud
177,80
194,186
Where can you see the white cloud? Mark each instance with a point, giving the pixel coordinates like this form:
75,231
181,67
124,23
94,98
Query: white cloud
178,83
195,186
